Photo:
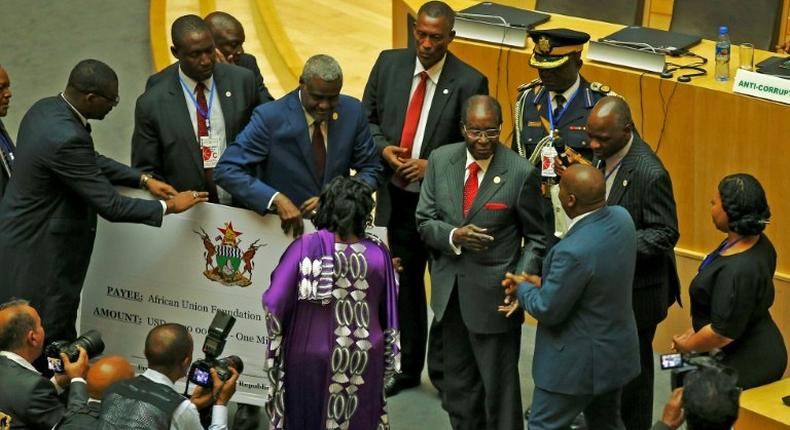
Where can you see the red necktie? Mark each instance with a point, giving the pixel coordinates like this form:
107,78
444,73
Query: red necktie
202,127
319,150
470,187
413,116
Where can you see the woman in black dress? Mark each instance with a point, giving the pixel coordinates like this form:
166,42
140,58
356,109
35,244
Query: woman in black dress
731,294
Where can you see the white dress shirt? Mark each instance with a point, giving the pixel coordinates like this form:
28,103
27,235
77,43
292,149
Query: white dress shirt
567,94
186,416
430,89
481,173
613,164
580,217
216,119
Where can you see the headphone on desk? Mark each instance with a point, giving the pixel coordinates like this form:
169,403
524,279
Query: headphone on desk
697,67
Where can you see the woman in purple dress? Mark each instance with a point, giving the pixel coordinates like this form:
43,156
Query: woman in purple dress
332,323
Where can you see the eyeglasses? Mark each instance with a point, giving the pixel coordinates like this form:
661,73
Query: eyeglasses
115,100
491,133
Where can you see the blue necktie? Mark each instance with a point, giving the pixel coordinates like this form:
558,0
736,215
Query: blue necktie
7,153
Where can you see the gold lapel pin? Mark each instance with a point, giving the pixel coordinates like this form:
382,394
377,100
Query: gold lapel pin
335,116
497,179
445,91
228,94
625,182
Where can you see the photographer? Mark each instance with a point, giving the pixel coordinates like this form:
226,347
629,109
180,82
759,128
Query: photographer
150,401
29,399
709,401
101,375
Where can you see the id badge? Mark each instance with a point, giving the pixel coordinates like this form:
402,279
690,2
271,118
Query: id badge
209,146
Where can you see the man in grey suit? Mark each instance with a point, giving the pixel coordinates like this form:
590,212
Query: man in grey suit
413,100
6,144
586,346
637,180
191,111
478,202
28,400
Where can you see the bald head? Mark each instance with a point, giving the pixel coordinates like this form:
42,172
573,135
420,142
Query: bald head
609,126
167,346
228,35
614,107
582,189
105,372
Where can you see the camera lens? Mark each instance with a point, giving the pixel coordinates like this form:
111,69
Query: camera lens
233,361
91,341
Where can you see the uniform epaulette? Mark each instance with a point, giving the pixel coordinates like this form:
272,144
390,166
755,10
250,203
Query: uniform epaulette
602,89
529,85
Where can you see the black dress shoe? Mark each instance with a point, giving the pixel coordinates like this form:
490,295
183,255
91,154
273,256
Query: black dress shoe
396,384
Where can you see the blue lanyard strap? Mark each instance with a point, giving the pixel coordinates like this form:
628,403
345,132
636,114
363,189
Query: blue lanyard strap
717,252
205,114
614,169
562,112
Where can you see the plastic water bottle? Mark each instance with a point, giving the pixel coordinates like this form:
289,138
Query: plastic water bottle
723,54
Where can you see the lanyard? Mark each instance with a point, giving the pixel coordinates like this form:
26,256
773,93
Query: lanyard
614,169
205,114
562,112
721,248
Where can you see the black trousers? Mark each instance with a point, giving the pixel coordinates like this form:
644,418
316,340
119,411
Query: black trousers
481,386
637,400
405,243
555,411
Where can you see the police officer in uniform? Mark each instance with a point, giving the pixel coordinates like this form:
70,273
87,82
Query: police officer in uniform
560,99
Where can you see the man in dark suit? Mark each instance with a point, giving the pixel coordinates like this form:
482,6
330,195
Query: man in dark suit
297,144
478,202
586,346
102,374
229,39
637,180
560,99
6,144
191,111
28,400
60,184
413,100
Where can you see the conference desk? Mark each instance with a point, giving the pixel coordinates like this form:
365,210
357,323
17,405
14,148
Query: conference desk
701,130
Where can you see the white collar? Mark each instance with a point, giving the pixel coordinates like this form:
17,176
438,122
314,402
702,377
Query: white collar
191,83
433,72
82,118
16,358
159,378
578,218
482,163
567,94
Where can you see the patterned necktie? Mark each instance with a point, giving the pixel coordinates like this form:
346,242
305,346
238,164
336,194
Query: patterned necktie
470,187
319,150
413,115
6,152
560,101
202,128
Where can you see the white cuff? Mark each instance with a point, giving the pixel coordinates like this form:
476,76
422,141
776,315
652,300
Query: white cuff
164,207
219,416
456,249
271,201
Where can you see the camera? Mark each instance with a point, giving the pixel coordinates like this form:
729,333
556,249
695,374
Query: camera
90,340
683,364
218,331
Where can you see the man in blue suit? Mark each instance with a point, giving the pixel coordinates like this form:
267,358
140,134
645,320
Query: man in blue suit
295,145
586,347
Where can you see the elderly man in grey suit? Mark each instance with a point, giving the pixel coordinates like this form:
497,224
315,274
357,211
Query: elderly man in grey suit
27,399
586,347
478,203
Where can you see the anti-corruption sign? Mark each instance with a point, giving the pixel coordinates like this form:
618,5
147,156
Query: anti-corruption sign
208,259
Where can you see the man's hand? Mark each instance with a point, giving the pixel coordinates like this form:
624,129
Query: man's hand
511,305
309,207
290,216
413,169
393,155
185,200
159,189
472,237
226,389
79,368
221,57
673,411
397,264
559,166
784,47
679,341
